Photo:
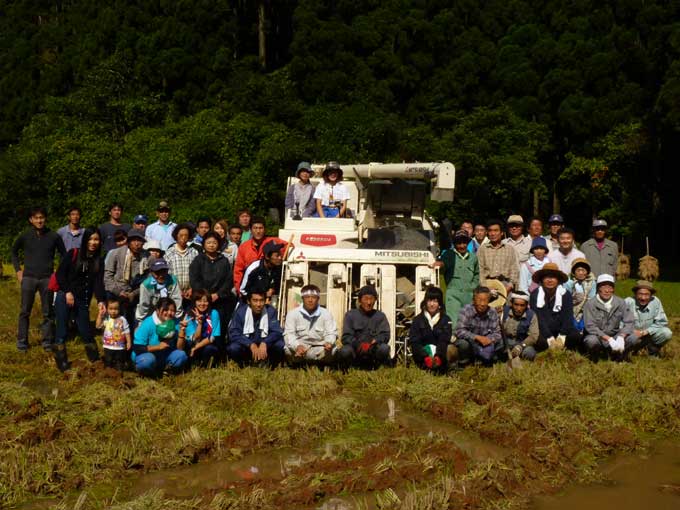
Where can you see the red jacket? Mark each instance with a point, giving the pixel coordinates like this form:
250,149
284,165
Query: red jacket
249,253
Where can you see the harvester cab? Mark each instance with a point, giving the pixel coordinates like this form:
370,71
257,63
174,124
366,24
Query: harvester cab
386,240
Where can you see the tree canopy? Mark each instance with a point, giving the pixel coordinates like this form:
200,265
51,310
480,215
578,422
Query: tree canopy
211,104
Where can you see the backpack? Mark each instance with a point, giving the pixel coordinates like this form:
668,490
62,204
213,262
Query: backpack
53,284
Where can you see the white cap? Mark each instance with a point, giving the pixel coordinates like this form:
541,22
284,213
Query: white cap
152,244
605,278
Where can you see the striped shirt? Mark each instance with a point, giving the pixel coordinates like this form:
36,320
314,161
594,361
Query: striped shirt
498,261
179,263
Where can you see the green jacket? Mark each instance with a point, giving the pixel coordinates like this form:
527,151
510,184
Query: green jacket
461,276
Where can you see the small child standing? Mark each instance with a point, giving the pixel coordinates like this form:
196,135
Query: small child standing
582,287
116,339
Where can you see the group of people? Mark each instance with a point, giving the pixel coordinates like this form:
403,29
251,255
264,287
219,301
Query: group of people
174,295
558,296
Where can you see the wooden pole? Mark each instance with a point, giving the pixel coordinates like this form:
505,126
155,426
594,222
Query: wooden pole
262,37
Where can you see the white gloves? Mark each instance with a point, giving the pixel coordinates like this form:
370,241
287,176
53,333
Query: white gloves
557,343
617,344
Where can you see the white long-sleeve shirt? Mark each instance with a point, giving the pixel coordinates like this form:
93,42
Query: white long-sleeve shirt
309,329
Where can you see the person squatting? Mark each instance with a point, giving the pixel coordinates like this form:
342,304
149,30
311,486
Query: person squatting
173,296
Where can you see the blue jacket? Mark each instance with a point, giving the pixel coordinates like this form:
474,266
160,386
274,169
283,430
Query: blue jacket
238,320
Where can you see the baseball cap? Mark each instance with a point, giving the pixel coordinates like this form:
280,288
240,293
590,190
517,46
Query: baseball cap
271,247
605,278
158,265
599,224
135,233
556,218
163,204
141,218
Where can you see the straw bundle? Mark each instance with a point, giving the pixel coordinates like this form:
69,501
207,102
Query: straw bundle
623,267
648,268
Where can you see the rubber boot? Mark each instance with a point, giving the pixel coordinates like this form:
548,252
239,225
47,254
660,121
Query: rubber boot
92,352
61,358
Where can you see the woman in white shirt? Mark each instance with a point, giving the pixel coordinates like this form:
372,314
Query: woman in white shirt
331,195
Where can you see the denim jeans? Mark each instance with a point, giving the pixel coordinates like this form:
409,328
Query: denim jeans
151,363
29,286
81,311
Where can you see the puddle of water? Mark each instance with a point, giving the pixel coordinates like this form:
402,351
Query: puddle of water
188,481
634,481
389,410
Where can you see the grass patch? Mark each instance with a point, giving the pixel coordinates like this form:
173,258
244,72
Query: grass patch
71,436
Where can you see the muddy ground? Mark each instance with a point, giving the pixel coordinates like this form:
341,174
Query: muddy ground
253,438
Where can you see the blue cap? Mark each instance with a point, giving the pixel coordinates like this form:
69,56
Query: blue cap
538,242
141,218
158,265
556,218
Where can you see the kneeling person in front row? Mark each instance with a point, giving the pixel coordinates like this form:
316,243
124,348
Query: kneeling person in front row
159,341
255,334
365,333
478,332
554,309
651,324
520,326
310,331
608,323
430,333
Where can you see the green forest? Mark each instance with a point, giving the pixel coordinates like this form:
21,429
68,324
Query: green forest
540,104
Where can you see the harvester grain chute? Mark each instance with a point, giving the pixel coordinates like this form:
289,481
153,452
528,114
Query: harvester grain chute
387,241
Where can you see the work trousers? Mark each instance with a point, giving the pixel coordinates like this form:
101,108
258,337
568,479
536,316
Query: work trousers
80,311
242,354
596,348
208,355
29,287
314,354
378,354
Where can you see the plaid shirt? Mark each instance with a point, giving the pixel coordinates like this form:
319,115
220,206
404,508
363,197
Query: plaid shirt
179,264
471,324
495,262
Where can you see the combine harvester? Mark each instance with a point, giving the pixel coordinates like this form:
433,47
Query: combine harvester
388,242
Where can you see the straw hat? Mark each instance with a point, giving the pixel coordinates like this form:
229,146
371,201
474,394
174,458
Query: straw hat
502,292
580,262
549,269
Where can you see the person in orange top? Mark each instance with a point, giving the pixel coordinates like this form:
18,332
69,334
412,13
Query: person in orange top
252,249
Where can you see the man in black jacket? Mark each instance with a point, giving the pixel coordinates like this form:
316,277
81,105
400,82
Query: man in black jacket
39,245
365,333
265,273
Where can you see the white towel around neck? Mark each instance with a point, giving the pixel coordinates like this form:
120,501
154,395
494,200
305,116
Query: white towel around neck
249,323
540,299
